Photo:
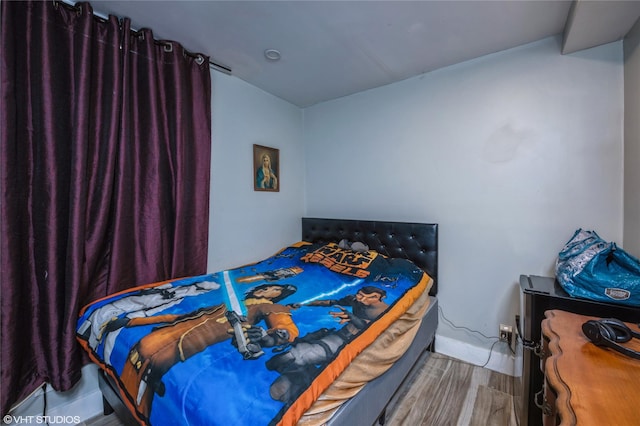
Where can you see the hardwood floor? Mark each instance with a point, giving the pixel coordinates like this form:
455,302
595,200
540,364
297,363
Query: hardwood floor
445,391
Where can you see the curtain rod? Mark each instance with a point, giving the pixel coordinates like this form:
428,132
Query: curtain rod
220,68
213,65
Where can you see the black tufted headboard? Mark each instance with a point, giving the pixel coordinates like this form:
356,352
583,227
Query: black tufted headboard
417,242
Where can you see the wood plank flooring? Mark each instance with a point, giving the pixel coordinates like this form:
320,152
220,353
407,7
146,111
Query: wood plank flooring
445,391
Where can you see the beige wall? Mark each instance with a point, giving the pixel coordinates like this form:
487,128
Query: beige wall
631,237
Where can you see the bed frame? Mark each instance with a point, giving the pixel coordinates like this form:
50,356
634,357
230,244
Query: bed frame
414,241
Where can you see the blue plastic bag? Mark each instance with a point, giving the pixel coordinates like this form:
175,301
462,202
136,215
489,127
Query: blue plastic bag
591,268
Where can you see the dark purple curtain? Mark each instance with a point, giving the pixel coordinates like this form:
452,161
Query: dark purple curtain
105,177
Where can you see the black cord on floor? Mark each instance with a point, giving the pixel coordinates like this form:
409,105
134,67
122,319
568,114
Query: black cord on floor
44,406
490,353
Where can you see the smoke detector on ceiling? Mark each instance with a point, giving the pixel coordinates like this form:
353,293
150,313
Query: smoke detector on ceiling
272,54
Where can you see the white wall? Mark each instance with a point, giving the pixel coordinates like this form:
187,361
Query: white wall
632,141
245,225
509,153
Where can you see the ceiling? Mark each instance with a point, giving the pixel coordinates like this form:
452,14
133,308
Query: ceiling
331,49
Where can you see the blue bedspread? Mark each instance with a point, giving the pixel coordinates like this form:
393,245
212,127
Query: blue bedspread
255,345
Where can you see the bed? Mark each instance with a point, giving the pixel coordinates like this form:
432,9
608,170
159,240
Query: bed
324,356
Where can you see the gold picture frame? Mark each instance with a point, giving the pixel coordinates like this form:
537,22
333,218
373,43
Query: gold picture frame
266,168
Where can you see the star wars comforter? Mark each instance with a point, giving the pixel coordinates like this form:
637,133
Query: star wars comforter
254,345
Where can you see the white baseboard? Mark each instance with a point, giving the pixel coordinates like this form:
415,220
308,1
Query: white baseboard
499,361
82,408
75,406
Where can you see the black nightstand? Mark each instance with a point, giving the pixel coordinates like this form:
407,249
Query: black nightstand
538,294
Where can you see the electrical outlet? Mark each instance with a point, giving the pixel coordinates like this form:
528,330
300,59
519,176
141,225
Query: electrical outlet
505,333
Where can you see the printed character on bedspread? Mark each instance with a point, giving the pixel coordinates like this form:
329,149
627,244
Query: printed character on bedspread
182,336
299,364
104,323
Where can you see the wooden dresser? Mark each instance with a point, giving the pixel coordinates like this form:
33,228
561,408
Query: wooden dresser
586,384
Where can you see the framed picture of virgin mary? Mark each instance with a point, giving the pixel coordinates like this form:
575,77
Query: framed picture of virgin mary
266,168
